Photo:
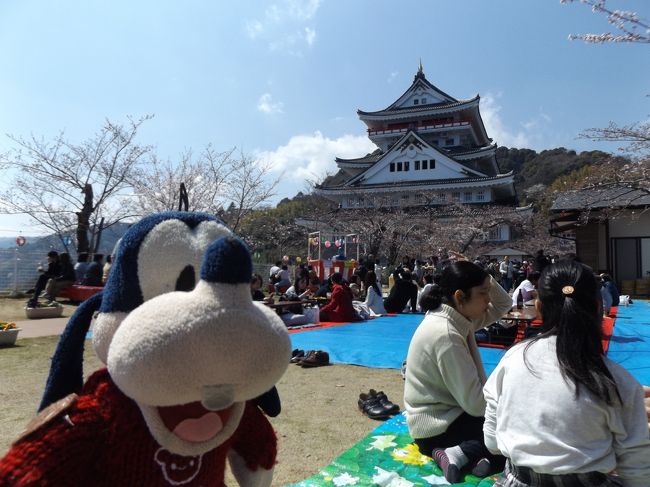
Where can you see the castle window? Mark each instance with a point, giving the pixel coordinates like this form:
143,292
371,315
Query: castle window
449,141
405,199
417,165
424,164
399,166
432,164
467,196
442,196
416,101
480,196
455,196
406,165
392,167
424,101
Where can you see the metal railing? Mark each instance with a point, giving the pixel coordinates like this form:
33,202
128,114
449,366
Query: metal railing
19,269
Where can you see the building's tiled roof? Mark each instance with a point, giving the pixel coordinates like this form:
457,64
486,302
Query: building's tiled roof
372,157
464,151
599,198
419,108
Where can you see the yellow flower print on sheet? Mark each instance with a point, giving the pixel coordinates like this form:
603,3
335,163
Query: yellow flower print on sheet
410,454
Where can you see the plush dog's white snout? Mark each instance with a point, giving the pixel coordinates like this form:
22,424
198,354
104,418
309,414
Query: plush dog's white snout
212,345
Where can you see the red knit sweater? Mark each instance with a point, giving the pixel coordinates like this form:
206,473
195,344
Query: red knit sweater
340,308
110,445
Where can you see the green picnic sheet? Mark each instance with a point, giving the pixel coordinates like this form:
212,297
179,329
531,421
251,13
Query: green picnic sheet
386,457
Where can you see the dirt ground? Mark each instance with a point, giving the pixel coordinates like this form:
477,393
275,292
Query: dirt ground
319,418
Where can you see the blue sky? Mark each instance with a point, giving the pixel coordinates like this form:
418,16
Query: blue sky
283,79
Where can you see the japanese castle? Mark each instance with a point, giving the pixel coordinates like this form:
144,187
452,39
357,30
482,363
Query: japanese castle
432,150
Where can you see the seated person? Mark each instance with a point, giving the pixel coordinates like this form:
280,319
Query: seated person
94,272
282,278
611,287
53,270
355,286
528,288
81,267
65,278
314,284
428,284
443,389
403,291
256,291
564,414
299,290
295,314
374,299
107,269
275,268
325,289
340,308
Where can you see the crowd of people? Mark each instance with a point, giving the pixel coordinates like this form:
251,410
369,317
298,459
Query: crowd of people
61,273
597,422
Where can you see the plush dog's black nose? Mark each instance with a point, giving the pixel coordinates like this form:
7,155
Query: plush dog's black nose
227,261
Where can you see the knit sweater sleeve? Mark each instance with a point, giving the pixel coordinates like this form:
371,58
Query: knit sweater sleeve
460,375
334,300
61,452
500,304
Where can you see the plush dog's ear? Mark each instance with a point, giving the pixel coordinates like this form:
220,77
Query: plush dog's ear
66,371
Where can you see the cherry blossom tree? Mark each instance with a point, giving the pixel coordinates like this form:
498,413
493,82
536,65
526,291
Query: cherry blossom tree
75,187
629,26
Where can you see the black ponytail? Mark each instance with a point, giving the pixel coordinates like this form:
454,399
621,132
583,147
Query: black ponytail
571,310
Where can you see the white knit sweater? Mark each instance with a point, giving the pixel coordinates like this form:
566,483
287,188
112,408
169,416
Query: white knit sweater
444,372
534,419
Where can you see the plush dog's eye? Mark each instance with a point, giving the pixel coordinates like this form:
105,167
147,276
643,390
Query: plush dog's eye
186,280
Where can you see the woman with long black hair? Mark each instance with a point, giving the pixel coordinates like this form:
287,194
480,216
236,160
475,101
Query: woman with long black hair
374,299
557,408
443,391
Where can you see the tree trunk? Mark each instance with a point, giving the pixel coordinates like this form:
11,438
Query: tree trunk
83,220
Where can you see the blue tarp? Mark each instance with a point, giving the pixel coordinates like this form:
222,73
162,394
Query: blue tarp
383,342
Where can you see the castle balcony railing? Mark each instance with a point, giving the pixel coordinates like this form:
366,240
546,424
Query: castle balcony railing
420,128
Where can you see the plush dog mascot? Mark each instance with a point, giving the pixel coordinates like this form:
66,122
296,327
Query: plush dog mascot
184,364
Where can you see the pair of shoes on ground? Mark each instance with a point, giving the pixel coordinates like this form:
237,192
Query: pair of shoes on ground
376,405
311,358
453,473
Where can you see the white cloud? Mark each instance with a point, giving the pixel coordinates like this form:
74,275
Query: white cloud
266,104
392,76
254,28
311,156
310,35
282,25
496,128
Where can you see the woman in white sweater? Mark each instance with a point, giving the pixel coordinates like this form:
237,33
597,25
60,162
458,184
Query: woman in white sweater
557,408
374,299
443,391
